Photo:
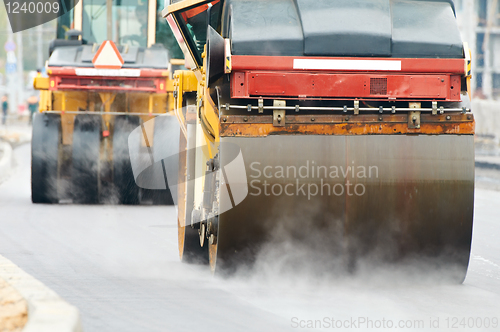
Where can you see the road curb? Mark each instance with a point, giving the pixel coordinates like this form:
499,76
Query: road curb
47,311
5,159
16,135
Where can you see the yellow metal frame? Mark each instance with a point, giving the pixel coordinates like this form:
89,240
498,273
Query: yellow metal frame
184,81
152,22
468,68
41,83
209,114
78,16
189,61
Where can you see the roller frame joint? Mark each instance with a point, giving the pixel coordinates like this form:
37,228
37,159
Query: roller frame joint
414,116
279,114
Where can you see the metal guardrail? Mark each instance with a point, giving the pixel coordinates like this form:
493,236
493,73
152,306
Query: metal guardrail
346,109
103,113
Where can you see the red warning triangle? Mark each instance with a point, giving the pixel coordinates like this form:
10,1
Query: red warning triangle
108,56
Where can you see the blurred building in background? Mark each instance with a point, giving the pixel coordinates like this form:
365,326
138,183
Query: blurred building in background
21,54
479,22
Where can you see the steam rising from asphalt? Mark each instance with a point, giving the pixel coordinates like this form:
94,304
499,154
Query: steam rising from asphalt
303,276
299,254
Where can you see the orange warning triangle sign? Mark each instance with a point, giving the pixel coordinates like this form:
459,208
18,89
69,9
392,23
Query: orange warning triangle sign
108,56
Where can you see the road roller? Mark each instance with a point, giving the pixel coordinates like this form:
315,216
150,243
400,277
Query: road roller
342,117
109,71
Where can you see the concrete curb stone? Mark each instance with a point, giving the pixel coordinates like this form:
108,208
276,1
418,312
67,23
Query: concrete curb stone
47,311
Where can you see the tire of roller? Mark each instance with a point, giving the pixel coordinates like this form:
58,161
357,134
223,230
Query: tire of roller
123,177
192,252
85,157
44,157
158,197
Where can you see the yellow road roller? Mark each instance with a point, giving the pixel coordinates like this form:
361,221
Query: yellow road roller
343,117
109,70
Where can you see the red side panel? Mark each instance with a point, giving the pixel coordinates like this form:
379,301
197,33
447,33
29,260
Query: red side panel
107,84
318,85
132,80
394,79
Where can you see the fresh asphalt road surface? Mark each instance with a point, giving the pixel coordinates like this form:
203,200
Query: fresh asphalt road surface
119,265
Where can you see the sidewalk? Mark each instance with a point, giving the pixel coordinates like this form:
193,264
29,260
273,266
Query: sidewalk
16,133
25,303
28,305
14,308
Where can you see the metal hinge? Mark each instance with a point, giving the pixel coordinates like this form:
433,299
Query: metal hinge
414,116
261,105
279,115
356,107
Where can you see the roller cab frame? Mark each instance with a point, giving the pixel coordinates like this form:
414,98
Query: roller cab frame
310,100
